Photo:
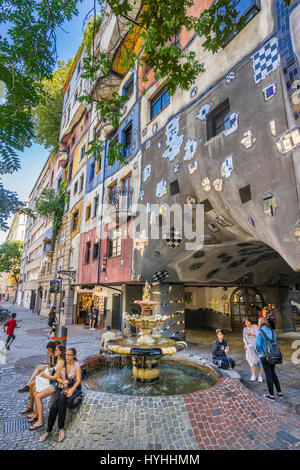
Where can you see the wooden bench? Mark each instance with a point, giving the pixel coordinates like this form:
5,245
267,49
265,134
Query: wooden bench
296,321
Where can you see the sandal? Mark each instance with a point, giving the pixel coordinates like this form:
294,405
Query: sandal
32,415
44,436
34,426
26,410
32,419
60,439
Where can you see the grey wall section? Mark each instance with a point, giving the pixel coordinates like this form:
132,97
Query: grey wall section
286,309
206,318
171,303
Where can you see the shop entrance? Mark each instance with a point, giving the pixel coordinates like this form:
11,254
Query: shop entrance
82,313
245,302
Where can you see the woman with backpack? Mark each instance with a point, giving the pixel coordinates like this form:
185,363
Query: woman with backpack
269,354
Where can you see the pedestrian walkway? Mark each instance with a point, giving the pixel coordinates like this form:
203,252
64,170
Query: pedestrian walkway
28,350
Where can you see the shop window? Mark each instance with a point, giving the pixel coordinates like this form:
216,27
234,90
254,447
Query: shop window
245,194
218,120
159,102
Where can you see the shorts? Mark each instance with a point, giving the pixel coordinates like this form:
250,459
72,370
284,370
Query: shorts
92,317
9,338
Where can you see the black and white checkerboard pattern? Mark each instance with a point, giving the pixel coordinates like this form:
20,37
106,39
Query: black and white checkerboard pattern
265,60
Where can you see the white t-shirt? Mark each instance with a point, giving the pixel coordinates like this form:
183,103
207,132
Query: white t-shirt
106,336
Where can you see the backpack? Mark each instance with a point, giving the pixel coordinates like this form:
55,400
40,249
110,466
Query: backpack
273,354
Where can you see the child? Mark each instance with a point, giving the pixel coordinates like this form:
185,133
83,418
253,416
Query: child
219,351
11,325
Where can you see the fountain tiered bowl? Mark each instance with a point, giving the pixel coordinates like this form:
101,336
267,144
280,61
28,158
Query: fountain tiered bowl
146,350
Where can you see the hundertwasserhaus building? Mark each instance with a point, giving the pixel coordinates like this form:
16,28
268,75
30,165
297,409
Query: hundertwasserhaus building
230,143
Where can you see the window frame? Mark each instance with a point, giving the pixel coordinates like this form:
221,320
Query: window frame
211,118
158,97
127,150
73,217
129,82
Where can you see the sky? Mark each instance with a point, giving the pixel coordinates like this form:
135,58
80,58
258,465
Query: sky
33,158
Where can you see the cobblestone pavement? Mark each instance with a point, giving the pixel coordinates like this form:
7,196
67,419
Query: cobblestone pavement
111,422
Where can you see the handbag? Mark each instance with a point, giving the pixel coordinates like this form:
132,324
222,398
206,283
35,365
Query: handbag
76,399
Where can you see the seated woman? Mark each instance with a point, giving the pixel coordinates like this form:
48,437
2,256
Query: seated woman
46,385
69,382
30,386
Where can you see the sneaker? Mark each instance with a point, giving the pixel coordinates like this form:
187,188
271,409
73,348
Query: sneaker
260,380
93,329
233,365
268,396
253,378
279,396
8,348
24,389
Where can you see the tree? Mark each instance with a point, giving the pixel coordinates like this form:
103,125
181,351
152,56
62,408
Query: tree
10,258
47,113
51,205
9,205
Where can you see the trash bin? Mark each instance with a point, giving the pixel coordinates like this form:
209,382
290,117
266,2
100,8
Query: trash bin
60,334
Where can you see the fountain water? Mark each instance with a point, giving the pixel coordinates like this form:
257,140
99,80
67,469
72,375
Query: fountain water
146,350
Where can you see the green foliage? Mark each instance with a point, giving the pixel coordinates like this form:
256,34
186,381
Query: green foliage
51,205
10,258
47,113
9,205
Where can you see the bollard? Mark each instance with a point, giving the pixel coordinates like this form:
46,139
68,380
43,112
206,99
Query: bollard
60,334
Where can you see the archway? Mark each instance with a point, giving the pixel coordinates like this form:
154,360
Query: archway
245,302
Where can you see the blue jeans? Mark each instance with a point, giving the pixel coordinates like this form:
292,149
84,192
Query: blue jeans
227,359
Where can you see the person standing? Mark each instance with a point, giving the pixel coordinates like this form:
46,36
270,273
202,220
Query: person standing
105,337
11,325
249,337
92,316
261,346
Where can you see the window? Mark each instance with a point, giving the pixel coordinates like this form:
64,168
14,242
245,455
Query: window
71,258
82,152
128,88
246,8
127,140
159,102
96,205
245,194
75,221
207,205
127,192
81,183
70,171
112,145
73,139
92,171
218,120
174,188
75,187
114,244
95,250
88,252
68,113
88,212
113,194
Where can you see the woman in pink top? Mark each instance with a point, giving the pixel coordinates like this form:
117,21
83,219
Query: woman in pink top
69,381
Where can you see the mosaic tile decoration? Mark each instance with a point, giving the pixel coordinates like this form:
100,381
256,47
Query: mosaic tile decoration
154,128
230,76
269,91
227,167
218,184
248,140
203,112
173,140
193,92
176,167
160,275
206,184
142,193
193,167
159,144
233,124
289,59
161,188
272,127
144,132
266,60
190,149
251,221
223,222
288,141
146,172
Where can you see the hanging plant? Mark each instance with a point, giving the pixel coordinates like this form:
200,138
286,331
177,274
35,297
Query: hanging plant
51,205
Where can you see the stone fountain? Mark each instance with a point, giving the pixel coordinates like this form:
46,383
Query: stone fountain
146,350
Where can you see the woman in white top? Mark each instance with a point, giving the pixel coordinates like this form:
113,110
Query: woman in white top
46,385
249,337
